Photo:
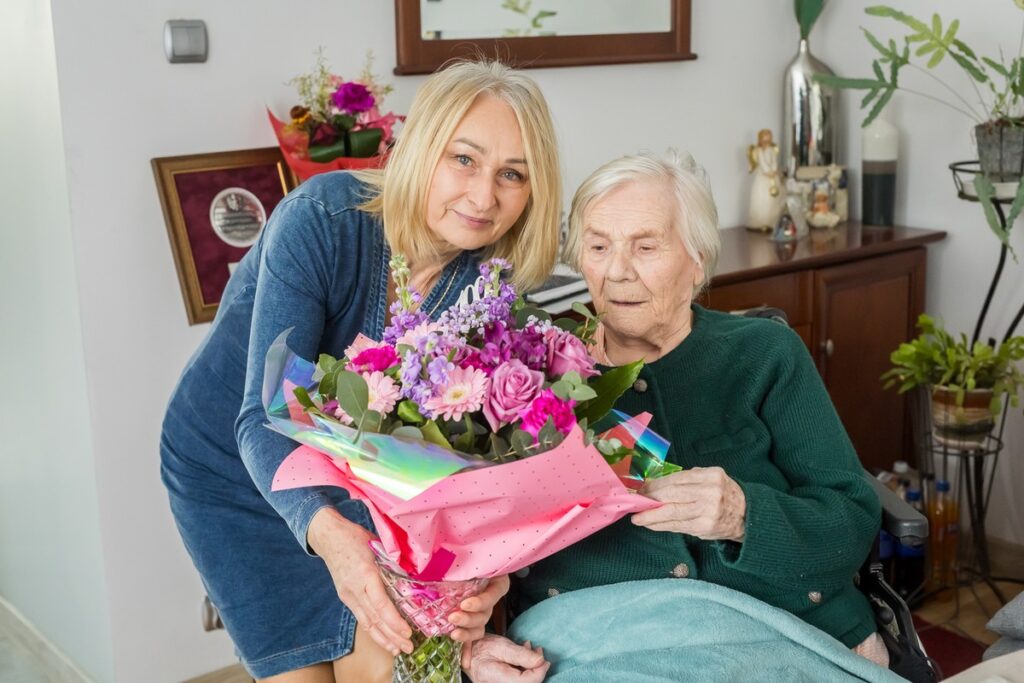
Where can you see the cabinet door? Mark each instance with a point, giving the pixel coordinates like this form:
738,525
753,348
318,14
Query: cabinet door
862,312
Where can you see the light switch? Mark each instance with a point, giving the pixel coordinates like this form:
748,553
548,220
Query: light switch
185,40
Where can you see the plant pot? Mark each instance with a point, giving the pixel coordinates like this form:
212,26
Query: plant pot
1001,150
965,427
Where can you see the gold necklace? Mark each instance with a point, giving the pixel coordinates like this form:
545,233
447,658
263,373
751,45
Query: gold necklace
451,280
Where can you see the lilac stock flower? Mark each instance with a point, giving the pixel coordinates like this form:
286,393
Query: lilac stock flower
438,370
353,98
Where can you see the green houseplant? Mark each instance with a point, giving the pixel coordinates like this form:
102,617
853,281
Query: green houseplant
967,381
996,106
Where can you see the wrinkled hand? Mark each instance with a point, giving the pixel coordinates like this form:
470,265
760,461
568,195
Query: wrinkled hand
344,548
475,612
702,501
495,659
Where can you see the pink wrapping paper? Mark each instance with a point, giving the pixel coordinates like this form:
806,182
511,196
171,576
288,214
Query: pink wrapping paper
485,522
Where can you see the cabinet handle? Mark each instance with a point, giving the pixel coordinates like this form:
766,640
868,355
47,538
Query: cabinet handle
828,347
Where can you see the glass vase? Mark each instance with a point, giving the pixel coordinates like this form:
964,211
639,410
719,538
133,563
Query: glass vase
425,605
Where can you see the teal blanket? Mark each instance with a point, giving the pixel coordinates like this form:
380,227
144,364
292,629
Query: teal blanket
682,630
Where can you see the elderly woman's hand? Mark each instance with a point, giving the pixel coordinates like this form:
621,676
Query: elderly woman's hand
475,612
495,659
701,501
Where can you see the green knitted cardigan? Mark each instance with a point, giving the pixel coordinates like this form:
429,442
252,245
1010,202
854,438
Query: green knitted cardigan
743,394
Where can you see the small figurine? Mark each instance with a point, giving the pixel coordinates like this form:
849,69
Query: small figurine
796,205
785,229
839,181
766,200
821,215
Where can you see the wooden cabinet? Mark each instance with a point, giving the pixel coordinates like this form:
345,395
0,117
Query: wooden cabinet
852,295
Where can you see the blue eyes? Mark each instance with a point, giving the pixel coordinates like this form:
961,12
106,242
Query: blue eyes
508,174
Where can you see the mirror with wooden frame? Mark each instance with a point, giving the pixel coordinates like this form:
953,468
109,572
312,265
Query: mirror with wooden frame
540,33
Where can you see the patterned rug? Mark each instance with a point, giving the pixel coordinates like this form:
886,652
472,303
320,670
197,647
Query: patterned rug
952,651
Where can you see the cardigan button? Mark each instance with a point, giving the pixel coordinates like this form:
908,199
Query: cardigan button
640,386
552,592
681,570
522,573
814,596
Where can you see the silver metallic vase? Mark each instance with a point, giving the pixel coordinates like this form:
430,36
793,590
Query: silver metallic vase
810,130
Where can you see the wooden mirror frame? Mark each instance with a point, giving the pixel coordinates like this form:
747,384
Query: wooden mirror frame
418,56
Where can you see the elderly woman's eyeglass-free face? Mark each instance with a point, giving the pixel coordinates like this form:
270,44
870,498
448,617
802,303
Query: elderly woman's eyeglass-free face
481,184
635,262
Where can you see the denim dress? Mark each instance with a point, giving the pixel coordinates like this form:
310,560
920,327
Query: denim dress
319,267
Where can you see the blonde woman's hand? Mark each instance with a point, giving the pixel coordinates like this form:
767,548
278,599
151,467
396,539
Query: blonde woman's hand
496,659
702,501
344,548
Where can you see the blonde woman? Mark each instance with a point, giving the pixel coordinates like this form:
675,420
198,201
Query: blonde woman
475,173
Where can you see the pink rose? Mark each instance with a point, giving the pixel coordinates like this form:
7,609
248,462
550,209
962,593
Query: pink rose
513,387
567,353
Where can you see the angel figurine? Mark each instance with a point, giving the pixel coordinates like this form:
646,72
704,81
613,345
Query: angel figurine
766,197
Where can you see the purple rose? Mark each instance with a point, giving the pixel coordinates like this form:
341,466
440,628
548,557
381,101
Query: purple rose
353,98
513,387
567,353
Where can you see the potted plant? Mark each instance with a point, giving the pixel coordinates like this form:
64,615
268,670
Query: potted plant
997,83
967,382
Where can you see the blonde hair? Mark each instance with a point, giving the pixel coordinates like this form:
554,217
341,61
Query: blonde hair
400,189
697,220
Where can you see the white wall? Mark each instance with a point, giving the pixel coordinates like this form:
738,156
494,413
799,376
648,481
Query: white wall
122,104
932,136
50,563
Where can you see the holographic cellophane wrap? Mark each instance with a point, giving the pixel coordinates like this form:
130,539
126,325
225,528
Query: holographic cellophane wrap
444,515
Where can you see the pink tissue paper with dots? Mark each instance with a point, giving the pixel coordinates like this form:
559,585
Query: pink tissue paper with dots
484,522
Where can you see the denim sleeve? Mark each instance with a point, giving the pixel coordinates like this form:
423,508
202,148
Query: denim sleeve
295,278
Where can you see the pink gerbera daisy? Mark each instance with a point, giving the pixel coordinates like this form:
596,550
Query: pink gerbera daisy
464,392
384,392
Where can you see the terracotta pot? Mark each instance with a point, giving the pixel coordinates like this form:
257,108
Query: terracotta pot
964,426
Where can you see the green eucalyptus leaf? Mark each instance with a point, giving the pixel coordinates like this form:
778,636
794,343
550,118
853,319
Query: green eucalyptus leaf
583,310
370,421
521,442
352,393
561,388
582,392
407,431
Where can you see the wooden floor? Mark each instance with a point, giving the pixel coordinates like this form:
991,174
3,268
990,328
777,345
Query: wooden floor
977,605
229,674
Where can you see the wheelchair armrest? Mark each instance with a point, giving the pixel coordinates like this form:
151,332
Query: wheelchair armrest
899,518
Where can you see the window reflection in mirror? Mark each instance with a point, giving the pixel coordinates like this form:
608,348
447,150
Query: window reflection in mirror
469,19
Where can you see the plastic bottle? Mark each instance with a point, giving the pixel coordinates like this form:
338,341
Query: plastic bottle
908,474
910,560
952,540
938,523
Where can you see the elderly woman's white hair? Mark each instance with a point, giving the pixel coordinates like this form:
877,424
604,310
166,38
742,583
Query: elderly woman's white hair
683,177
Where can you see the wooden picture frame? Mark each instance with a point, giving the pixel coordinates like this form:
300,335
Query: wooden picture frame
215,207
418,56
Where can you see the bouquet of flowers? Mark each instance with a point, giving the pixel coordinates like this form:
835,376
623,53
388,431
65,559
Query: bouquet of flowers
338,124
480,443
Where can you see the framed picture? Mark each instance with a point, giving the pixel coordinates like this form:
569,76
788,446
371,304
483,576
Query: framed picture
215,206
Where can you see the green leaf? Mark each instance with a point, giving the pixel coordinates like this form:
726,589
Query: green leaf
581,392
408,432
905,19
867,98
879,106
408,411
326,362
327,385
352,393
302,396
997,67
583,310
567,324
464,442
936,25
522,442
370,421
522,317
936,59
561,388
925,49
968,66
807,13
499,447
875,42
878,71
609,387
1015,208
986,192
432,433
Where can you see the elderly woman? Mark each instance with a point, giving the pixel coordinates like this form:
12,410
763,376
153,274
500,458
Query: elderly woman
772,501
474,174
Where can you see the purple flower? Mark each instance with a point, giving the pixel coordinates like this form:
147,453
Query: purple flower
353,98
513,387
438,370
